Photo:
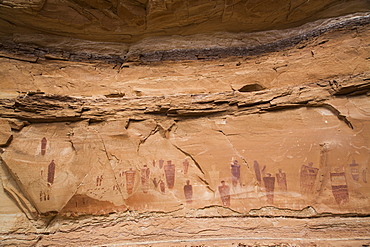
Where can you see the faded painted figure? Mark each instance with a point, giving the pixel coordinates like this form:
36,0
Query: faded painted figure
235,172
155,182
43,146
130,180
224,191
161,161
364,173
339,187
145,173
355,170
162,186
257,171
169,171
308,178
270,187
99,180
188,191
186,166
281,180
51,173
44,196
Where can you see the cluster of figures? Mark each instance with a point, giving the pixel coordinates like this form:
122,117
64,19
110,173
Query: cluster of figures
262,177
45,194
99,180
161,183
308,177
50,175
165,179
338,180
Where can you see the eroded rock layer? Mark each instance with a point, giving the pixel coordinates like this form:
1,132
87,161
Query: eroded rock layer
138,143
130,20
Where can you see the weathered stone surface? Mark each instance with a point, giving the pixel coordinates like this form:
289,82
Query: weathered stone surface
329,57
129,19
5,133
161,230
322,134
217,138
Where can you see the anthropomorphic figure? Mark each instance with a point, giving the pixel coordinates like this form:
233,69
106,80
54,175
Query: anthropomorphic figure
169,171
308,178
186,166
188,191
269,187
51,173
235,172
145,173
281,180
257,171
339,187
161,161
43,146
224,191
364,175
130,180
355,170
162,186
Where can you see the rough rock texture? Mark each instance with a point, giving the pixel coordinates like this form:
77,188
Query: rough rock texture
129,20
211,139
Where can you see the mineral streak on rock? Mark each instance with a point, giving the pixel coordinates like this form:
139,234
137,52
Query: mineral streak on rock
119,119
27,52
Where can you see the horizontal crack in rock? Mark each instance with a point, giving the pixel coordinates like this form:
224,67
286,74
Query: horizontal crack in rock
57,108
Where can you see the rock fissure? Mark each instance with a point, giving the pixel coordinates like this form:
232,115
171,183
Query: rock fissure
338,114
46,108
188,155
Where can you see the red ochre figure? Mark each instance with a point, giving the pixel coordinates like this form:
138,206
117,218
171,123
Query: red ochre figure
257,171
162,186
99,180
161,163
169,171
269,186
188,191
235,172
186,166
130,181
224,191
364,173
308,178
43,146
155,182
145,172
281,180
355,171
339,187
44,196
51,173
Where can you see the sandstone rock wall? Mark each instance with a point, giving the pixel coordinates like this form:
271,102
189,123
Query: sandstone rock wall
156,146
129,20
